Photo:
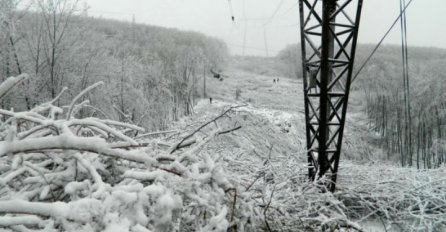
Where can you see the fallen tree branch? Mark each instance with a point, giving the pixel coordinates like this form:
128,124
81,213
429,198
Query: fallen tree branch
229,130
53,209
177,145
156,133
29,220
66,142
192,141
80,95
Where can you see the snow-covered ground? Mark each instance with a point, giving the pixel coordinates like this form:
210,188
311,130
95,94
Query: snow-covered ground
271,144
237,164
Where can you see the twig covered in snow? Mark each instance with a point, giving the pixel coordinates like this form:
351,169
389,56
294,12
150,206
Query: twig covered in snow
10,83
157,133
188,136
80,95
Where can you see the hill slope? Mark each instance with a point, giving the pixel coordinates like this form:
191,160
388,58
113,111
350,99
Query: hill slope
266,158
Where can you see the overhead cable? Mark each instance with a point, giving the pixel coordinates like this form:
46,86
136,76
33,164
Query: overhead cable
381,41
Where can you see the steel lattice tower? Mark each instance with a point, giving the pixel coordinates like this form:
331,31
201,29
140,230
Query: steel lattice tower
328,43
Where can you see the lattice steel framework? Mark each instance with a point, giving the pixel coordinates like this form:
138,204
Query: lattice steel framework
328,40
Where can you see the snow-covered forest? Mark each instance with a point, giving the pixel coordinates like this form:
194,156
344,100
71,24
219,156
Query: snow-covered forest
121,126
420,144
60,46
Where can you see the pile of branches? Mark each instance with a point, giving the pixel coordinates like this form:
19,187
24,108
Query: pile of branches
386,197
62,173
402,199
271,174
289,202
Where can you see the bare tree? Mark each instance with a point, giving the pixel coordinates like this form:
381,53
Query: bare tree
57,16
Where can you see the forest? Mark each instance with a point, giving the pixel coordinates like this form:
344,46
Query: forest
60,46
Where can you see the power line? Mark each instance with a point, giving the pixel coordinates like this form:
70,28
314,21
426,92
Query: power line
109,12
245,28
231,10
252,48
288,10
275,12
253,19
287,25
264,38
381,41
274,25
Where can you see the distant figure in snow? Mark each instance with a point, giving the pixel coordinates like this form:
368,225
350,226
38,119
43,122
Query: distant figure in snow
274,81
216,74
210,100
277,80
233,18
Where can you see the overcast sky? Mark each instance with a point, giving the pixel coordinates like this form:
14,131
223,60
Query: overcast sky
426,20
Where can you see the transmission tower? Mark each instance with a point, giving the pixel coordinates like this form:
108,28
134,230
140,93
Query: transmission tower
328,43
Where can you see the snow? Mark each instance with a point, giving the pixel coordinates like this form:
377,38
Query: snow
154,189
217,223
115,223
144,175
44,194
56,209
140,228
84,210
245,178
73,187
167,201
6,221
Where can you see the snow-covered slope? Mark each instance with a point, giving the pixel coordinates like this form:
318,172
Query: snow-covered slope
266,158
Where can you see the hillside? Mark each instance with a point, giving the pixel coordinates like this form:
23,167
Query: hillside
266,157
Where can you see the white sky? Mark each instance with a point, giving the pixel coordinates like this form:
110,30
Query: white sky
426,20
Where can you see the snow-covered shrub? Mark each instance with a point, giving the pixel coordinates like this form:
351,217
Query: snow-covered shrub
62,173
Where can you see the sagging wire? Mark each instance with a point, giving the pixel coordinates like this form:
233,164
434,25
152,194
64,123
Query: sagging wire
231,10
380,42
270,19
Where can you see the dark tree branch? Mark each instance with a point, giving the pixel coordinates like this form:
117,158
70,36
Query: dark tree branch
178,145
